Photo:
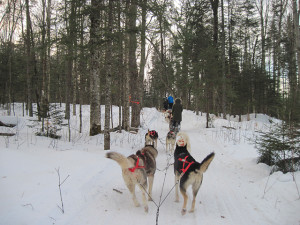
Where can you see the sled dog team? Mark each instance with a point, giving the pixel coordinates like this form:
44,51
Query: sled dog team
139,169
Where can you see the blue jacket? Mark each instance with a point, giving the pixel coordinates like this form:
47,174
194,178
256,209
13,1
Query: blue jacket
170,99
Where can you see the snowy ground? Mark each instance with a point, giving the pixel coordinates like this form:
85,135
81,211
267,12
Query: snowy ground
235,189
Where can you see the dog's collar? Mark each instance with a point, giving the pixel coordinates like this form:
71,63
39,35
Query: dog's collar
132,169
185,162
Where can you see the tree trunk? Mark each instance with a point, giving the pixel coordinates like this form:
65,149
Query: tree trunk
95,113
126,103
29,62
120,68
48,75
73,39
297,40
224,110
143,53
132,66
108,76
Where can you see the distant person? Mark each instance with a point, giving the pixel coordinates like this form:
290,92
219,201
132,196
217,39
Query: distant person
166,104
170,101
177,114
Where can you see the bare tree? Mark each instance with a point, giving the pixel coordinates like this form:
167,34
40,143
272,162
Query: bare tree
95,113
297,39
29,60
143,52
109,34
8,26
126,80
132,65
224,110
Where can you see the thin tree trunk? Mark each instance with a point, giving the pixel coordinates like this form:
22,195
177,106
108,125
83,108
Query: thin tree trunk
132,65
296,15
108,77
224,103
81,71
143,53
74,57
29,63
95,114
48,75
126,113
120,68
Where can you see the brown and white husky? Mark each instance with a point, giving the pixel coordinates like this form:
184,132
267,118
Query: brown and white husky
170,141
136,169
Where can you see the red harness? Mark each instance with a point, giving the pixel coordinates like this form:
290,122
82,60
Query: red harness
152,133
185,162
136,166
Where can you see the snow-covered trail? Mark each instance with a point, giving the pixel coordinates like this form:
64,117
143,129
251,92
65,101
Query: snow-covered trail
234,186
232,191
235,189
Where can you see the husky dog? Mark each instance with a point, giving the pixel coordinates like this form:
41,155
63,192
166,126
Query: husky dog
168,116
151,138
188,171
170,141
135,170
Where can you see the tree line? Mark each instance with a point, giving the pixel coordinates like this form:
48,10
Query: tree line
219,56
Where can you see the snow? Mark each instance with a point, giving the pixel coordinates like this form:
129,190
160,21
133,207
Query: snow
235,189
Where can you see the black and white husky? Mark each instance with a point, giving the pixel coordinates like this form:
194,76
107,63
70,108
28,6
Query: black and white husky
136,169
187,170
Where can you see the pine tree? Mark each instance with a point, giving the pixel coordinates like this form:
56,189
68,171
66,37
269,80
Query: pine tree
279,147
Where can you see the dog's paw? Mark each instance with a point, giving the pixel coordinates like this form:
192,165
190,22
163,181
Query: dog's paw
183,212
191,211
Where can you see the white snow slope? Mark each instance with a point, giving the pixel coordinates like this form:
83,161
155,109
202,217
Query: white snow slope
235,190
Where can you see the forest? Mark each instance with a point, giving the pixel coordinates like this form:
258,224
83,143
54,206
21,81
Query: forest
224,57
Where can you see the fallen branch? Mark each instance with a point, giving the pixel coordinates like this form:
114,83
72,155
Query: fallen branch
59,186
28,205
232,128
6,124
7,134
117,191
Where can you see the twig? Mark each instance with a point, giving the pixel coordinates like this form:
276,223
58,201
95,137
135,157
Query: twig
59,186
294,179
267,183
117,191
29,204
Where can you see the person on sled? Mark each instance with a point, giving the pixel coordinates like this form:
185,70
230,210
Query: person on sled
176,115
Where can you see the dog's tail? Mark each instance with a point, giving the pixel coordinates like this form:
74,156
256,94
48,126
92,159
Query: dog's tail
205,163
120,159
